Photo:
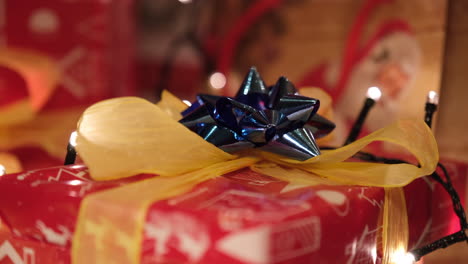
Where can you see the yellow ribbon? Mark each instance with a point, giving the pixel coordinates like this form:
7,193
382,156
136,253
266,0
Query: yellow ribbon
41,75
126,136
48,130
9,163
21,123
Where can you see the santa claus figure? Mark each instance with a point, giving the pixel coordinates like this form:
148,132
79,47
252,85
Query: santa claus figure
390,60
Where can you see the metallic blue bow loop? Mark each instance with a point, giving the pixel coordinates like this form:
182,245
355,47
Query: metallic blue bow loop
282,87
275,119
253,91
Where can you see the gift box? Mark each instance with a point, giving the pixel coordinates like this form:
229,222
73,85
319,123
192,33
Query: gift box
226,180
242,217
91,41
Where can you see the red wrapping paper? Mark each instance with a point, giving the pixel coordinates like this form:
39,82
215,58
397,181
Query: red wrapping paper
242,217
91,40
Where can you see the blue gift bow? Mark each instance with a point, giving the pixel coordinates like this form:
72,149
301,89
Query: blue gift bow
275,119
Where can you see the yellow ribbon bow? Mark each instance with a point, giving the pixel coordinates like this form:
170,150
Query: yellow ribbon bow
126,136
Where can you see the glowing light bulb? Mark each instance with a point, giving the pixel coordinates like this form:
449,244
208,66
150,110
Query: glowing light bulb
432,97
374,93
2,170
185,1
187,102
73,137
217,80
374,254
402,257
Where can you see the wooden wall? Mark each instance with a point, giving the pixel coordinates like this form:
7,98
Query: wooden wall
452,123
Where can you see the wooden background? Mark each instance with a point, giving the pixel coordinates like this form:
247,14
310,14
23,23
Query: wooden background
452,122
452,125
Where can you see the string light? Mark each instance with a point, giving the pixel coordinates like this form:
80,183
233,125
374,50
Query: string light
71,152
373,253
185,1
431,107
73,137
402,257
217,80
445,241
2,170
373,95
433,97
